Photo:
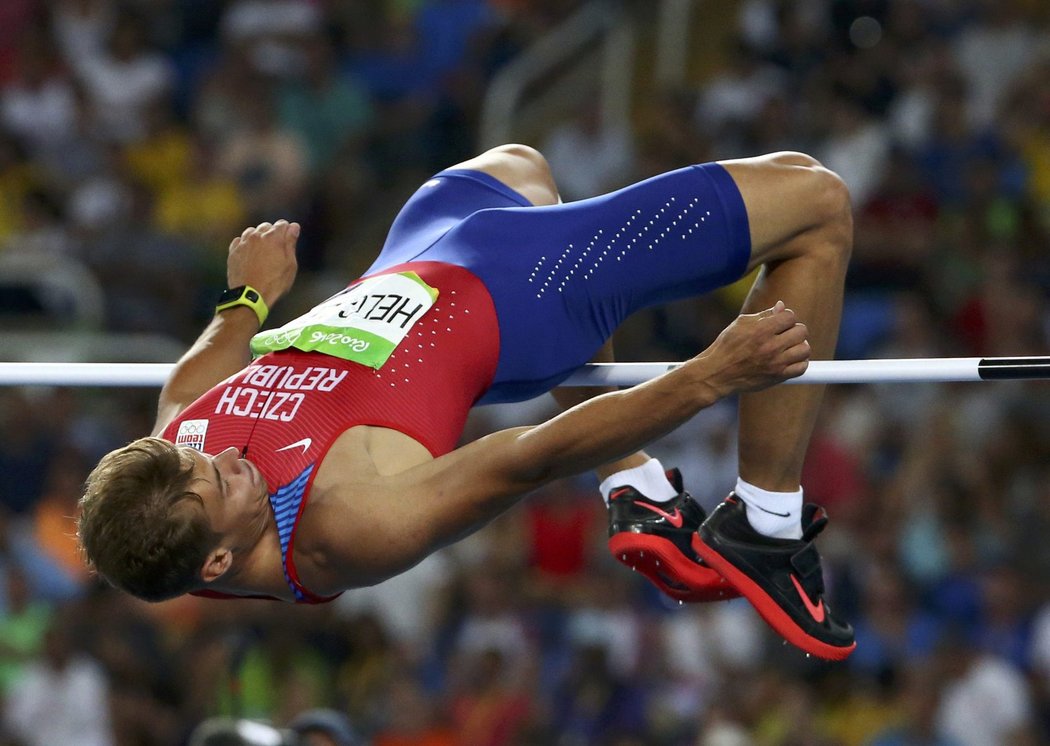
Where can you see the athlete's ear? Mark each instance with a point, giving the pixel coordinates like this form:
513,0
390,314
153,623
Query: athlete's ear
216,564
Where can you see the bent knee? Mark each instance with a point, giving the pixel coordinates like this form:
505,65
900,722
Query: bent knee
521,167
830,194
824,184
825,195
523,156
796,205
792,158
833,206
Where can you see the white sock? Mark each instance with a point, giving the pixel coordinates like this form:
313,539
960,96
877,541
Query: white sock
774,514
649,479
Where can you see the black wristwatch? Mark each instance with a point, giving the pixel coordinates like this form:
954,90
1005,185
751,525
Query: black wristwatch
243,295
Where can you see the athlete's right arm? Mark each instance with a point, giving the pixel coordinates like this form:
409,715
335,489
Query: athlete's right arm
375,533
262,257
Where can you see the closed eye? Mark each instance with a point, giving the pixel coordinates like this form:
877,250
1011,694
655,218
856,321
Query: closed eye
219,481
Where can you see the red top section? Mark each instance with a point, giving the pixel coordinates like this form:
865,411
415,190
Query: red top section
288,407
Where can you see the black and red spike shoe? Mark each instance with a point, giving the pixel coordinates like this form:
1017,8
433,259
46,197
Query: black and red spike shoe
782,578
655,539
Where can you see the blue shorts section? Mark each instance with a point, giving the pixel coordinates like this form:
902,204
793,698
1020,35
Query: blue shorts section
563,277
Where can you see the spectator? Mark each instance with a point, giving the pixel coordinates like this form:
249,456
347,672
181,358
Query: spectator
954,145
63,696
23,625
266,160
992,52
124,80
894,630
53,522
134,258
368,668
82,27
919,701
329,111
985,700
734,97
205,205
489,704
856,147
26,448
593,703
413,717
271,33
38,105
589,155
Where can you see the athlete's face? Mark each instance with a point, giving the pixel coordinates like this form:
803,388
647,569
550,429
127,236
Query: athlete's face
234,494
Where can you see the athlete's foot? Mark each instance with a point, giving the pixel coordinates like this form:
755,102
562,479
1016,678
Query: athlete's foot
655,539
782,578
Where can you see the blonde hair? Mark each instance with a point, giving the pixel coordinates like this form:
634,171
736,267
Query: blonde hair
134,527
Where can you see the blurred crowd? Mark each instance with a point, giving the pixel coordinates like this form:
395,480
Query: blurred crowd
138,137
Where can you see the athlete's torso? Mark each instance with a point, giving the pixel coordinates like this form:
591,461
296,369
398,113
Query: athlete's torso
526,295
286,409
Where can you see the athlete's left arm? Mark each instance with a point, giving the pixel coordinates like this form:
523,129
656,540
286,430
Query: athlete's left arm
262,257
363,533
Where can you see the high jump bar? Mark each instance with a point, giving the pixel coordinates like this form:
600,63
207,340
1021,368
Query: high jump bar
901,370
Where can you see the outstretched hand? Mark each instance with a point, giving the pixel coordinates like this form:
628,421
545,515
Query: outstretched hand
759,350
264,258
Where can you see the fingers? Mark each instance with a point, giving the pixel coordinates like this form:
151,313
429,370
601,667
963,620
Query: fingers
775,309
793,335
291,230
797,352
796,369
794,348
780,317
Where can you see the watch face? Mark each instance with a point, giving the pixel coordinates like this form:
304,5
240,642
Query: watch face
232,294
251,295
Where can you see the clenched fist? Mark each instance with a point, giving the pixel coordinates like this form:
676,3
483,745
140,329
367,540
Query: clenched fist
758,350
264,257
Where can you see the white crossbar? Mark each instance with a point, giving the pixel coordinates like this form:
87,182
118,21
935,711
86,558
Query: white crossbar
600,374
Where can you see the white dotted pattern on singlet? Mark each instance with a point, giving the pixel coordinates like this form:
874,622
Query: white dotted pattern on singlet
416,345
654,230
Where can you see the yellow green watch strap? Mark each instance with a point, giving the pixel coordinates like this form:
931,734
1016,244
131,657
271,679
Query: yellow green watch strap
244,295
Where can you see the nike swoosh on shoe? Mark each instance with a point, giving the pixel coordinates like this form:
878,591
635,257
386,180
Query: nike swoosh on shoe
815,610
675,519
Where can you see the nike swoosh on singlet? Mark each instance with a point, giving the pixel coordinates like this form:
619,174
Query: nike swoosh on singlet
675,518
305,443
815,610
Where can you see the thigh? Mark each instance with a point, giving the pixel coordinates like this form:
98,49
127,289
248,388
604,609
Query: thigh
563,277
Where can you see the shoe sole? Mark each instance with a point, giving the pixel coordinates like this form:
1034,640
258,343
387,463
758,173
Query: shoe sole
768,608
668,569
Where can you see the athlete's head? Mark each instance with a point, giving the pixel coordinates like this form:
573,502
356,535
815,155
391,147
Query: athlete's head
141,525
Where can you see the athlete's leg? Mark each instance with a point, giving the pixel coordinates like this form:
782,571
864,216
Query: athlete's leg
761,538
801,232
801,235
